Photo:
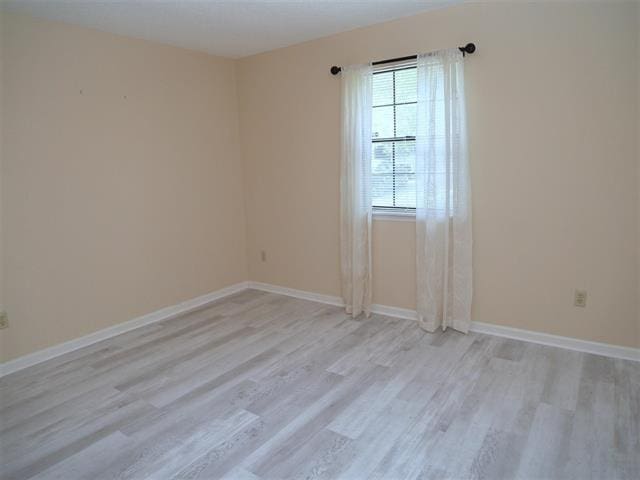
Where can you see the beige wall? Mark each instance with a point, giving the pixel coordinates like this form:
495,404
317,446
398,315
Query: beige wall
552,94
122,187
3,333
638,162
121,182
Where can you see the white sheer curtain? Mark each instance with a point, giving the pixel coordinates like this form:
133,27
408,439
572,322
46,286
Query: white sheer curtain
355,189
443,209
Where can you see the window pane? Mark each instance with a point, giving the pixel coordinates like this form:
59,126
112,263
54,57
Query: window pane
389,190
406,191
406,120
406,85
382,122
382,190
393,163
382,158
383,88
405,157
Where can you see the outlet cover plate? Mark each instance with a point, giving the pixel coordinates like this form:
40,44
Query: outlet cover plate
580,298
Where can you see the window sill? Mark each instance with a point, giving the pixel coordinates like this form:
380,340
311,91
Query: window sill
399,216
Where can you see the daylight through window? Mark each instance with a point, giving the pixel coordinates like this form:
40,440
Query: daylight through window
393,130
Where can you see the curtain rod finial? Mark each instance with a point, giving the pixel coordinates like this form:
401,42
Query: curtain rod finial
335,70
468,48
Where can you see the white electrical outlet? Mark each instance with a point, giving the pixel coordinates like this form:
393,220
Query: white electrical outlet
580,298
263,255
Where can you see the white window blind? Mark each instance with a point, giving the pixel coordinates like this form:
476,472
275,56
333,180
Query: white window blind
393,131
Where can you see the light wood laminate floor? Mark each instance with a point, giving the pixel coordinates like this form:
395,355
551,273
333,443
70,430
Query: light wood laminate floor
264,386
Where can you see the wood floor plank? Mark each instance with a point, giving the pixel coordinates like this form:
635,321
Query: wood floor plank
85,463
259,386
317,416
163,452
546,452
46,425
40,457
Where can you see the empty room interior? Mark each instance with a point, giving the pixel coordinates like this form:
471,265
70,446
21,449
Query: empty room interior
319,239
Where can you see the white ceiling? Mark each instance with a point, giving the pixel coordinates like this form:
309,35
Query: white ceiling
224,27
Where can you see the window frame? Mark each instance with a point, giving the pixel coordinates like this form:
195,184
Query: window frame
393,212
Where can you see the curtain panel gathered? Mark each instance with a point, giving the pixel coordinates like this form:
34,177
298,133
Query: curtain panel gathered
355,189
443,192
443,196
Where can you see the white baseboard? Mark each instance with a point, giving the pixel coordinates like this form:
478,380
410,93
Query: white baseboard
569,343
157,316
292,292
394,312
607,350
331,300
604,349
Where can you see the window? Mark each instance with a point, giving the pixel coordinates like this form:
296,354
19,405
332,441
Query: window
393,163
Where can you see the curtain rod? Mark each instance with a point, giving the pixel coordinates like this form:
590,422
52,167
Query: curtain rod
468,48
